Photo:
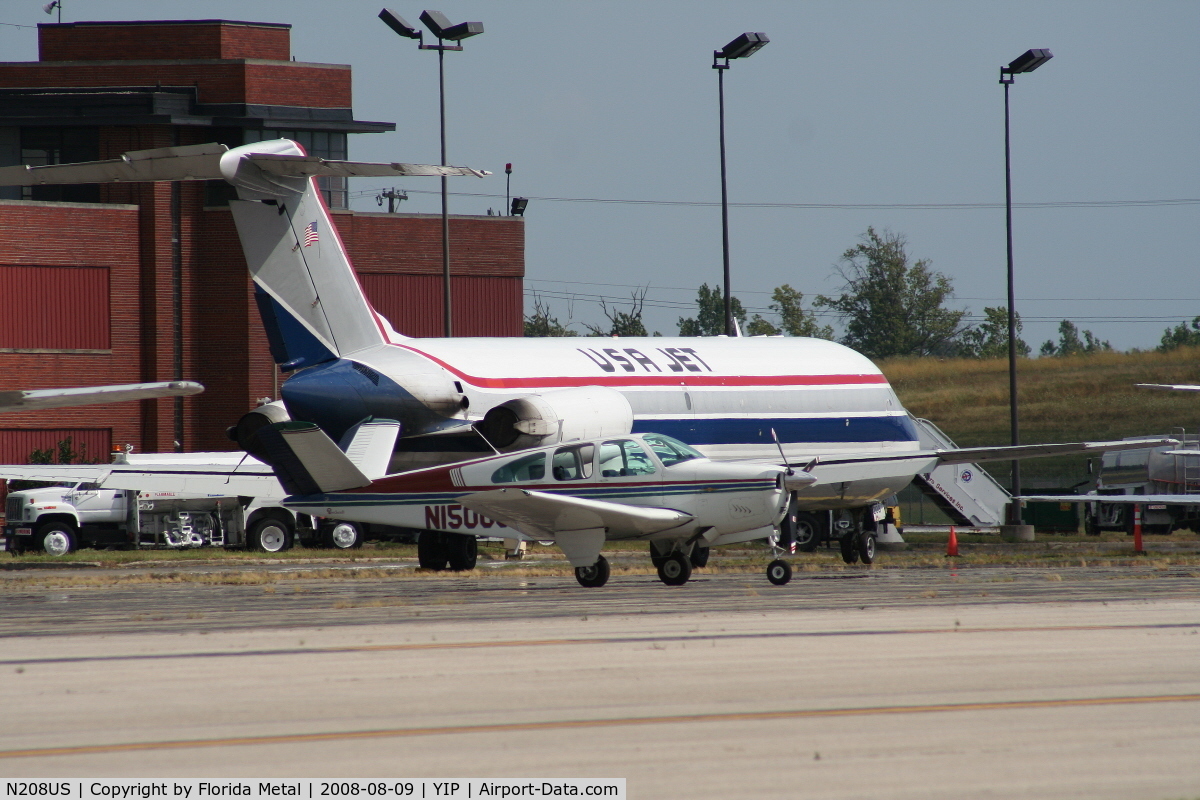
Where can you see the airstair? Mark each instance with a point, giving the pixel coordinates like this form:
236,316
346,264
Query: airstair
966,493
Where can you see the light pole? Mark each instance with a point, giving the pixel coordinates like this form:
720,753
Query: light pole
745,45
1026,62
444,31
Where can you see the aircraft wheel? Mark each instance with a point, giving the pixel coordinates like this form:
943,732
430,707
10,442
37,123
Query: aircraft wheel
430,553
268,535
594,576
341,535
807,531
700,556
849,548
461,551
779,572
57,538
866,547
675,569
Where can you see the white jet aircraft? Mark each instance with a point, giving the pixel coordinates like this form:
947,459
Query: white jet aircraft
831,406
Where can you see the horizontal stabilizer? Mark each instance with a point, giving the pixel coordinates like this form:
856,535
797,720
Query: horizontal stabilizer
206,162
969,455
88,395
312,166
306,461
542,514
200,162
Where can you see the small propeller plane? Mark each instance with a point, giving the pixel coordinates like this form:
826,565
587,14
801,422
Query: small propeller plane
644,487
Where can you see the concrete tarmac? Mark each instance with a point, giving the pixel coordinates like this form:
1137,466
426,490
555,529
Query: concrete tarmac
916,683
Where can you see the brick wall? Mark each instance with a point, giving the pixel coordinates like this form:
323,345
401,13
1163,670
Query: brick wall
285,84
145,41
67,235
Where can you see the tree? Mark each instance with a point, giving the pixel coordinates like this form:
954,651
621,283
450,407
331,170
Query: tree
710,317
892,308
541,323
795,321
1180,336
623,323
989,339
1069,343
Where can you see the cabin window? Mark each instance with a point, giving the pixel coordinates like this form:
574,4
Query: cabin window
529,468
573,463
623,458
670,451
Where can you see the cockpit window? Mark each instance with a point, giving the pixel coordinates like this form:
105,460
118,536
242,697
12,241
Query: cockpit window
670,451
573,463
624,457
529,468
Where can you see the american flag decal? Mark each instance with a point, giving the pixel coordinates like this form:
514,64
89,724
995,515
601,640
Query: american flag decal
310,234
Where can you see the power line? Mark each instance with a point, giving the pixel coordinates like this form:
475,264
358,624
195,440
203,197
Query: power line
1185,201
956,297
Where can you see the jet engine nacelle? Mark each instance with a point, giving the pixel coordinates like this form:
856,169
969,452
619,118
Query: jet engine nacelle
538,420
246,430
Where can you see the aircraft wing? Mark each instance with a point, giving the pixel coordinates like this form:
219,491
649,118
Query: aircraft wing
542,514
85,395
1127,499
1169,387
976,455
246,480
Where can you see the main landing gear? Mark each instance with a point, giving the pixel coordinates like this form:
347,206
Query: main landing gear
594,576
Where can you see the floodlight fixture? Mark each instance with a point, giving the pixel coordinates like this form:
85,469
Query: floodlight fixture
744,46
442,28
1027,61
397,23
518,206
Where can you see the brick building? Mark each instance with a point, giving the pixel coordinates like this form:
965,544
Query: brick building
145,282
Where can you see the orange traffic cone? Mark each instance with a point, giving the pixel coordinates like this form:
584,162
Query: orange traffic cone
952,543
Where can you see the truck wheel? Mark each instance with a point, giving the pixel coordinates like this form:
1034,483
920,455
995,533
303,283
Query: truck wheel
461,551
807,530
268,535
57,538
341,535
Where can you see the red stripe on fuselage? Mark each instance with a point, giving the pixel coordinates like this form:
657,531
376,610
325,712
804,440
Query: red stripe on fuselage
673,379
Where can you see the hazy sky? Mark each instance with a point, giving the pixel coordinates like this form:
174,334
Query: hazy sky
877,113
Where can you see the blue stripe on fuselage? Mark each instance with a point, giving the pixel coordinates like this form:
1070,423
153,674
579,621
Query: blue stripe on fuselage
789,429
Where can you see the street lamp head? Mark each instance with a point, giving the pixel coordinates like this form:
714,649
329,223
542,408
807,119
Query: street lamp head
518,206
397,23
1028,61
745,45
463,30
437,22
